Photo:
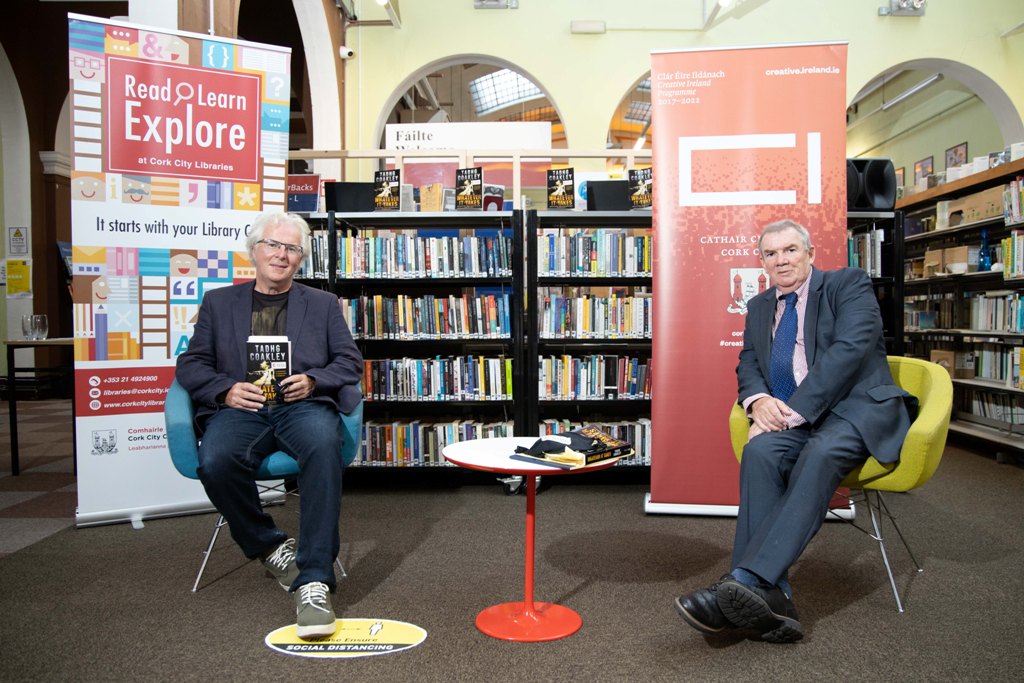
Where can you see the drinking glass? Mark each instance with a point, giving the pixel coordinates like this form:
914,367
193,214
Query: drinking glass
40,326
26,326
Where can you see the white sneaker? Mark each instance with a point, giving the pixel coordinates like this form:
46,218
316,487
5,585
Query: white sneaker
314,616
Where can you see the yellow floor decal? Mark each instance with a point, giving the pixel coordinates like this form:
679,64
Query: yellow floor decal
353,638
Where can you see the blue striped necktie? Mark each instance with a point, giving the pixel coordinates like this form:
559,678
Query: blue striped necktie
782,380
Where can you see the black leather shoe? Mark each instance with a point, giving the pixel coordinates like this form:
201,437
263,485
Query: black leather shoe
763,608
701,611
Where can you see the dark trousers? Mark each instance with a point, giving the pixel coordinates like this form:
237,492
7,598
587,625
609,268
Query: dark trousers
787,480
234,444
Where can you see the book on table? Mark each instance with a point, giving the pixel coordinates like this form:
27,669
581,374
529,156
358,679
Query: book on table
268,361
581,447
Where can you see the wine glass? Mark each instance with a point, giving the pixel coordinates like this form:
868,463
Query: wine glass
40,326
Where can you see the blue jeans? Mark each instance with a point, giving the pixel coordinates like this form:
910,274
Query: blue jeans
234,444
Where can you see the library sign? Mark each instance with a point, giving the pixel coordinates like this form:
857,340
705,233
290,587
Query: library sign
182,121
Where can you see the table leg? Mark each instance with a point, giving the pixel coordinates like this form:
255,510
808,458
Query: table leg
529,621
12,410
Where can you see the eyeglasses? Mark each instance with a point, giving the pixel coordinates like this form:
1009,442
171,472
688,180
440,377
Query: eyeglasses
274,246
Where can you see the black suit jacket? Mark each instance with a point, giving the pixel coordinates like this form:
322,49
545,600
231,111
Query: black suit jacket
322,347
847,370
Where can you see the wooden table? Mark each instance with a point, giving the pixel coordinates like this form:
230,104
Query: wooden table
12,391
525,621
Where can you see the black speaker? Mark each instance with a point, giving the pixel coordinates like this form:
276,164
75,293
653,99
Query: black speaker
608,195
348,197
870,185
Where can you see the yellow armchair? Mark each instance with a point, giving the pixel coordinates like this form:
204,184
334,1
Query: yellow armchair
919,457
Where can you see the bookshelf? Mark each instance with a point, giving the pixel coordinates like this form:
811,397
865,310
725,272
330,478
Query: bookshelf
973,322
433,303
588,323
876,245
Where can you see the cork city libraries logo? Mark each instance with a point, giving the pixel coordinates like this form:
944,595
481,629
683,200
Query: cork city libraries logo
104,441
353,638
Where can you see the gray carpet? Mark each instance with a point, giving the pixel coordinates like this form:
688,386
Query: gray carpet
113,603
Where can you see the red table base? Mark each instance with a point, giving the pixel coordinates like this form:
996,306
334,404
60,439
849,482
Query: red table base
512,621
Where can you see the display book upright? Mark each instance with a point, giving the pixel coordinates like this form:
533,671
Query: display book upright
433,303
588,347
970,322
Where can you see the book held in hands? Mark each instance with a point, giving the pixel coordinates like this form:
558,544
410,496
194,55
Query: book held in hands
587,445
268,361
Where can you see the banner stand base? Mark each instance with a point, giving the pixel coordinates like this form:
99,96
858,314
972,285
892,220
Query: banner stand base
652,508
847,514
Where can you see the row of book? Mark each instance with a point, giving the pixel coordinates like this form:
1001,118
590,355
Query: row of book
864,250
996,363
929,312
419,443
1012,256
635,432
594,317
430,316
405,254
451,378
612,252
1013,201
997,311
995,408
594,377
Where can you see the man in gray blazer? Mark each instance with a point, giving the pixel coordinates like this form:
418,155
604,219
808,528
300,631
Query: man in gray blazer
819,406
240,427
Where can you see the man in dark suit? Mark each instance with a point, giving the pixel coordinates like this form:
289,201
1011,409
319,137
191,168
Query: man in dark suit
240,428
819,406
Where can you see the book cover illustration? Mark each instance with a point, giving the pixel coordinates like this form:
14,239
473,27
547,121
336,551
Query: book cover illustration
469,188
587,445
641,183
386,187
268,361
560,189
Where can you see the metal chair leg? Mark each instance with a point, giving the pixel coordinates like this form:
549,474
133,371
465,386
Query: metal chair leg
209,549
213,542
874,509
892,519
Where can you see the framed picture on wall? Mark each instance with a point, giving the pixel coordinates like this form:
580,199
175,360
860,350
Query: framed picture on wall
923,169
956,155
899,176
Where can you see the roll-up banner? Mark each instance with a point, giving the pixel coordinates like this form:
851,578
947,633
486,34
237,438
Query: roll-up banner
178,141
742,137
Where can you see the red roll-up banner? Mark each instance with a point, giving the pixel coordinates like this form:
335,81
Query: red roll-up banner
742,137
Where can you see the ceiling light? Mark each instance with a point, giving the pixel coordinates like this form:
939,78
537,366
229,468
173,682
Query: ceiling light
911,91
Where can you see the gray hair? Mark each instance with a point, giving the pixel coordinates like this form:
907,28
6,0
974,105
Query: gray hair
268,220
786,224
